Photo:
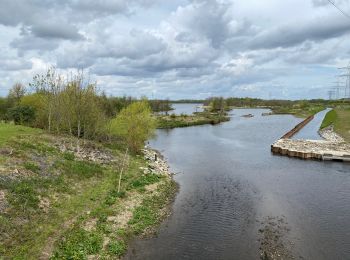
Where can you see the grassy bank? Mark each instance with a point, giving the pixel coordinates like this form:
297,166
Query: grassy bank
202,118
340,119
63,204
299,110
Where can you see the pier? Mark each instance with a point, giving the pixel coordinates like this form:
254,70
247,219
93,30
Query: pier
311,149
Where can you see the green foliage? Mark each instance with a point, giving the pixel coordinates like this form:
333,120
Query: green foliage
81,169
144,180
37,102
32,167
217,104
135,124
9,131
117,248
22,194
113,195
68,156
143,217
4,106
21,114
329,119
160,105
342,122
200,118
147,214
78,244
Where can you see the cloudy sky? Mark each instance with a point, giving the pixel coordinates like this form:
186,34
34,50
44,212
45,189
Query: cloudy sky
179,48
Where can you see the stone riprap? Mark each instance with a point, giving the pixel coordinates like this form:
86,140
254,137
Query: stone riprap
155,163
312,149
329,134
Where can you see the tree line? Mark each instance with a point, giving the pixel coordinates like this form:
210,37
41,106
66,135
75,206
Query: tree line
73,105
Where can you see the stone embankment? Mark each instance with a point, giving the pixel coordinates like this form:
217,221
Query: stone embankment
155,163
312,149
332,148
328,134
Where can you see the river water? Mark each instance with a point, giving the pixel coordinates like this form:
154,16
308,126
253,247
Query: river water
186,109
231,186
310,131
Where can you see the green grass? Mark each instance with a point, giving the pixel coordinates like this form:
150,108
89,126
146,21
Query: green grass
117,248
147,214
144,180
8,131
78,244
342,123
77,191
329,119
80,169
203,118
32,167
299,111
340,118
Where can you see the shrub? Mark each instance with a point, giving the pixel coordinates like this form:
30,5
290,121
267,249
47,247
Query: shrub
21,114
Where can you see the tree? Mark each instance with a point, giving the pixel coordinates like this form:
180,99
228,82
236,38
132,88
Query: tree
21,114
16,93
217,104
37,102
48,86
135,124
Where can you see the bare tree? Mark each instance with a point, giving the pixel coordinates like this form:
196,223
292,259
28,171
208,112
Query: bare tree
17,91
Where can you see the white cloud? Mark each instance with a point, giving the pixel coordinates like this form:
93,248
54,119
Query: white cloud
183,48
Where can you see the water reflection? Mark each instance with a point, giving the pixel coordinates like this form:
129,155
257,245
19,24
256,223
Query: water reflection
229,182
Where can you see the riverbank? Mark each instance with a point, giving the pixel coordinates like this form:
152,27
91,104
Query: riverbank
200,118
61,201
333,147
339,120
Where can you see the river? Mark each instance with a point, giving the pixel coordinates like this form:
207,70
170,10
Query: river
185,109
232,188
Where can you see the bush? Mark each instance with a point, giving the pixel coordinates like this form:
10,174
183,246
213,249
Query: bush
21,114
135,124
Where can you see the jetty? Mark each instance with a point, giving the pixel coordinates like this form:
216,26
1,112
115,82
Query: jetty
326,150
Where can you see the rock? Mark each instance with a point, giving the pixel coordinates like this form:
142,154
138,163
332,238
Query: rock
156,163
329,134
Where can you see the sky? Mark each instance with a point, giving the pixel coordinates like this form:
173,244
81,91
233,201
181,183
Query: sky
179,49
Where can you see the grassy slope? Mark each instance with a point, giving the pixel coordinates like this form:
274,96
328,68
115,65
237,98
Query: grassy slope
50,196
302,112
329,119
340,118
8,130
342,124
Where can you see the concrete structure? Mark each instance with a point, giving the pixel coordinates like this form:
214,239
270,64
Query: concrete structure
313,149
327,150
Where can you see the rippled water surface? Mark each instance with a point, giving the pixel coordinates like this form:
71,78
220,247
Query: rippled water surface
230,182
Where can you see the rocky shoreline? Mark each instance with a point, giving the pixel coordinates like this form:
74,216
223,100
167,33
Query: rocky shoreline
156,164
328,134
